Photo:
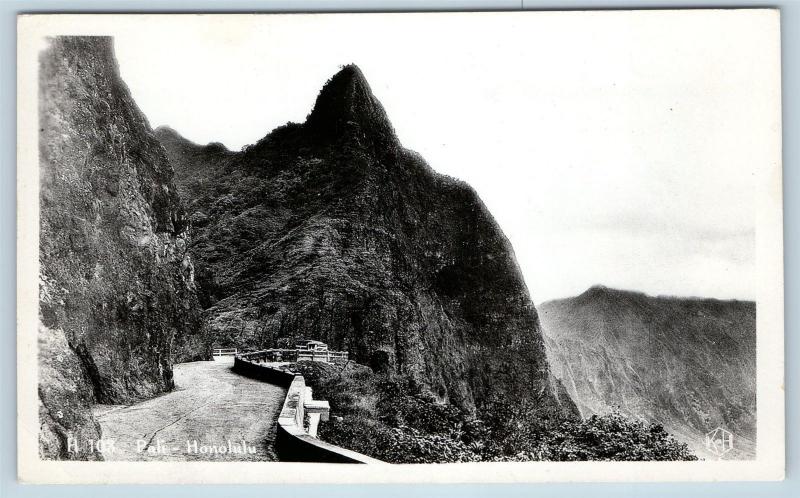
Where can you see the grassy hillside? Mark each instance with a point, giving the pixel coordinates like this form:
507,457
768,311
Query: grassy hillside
392,418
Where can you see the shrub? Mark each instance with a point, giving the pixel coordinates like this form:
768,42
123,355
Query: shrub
396,420
613,437
395,444
608,437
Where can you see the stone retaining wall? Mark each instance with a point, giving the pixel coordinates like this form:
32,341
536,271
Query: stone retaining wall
295,443
262,372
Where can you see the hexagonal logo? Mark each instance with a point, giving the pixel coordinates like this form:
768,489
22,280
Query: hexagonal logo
719,441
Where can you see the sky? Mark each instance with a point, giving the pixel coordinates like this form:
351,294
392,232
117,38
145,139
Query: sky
612,149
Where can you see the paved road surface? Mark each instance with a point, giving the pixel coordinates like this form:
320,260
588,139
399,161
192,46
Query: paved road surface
211,414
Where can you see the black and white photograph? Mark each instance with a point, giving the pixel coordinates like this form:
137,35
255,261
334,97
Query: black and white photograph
497,246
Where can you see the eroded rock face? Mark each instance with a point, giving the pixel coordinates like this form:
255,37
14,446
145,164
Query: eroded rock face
331,230
689,364
117,295
64,400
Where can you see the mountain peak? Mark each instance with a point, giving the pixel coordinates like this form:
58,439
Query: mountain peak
346,107
603,294
168,132
599,290
352,74
346,86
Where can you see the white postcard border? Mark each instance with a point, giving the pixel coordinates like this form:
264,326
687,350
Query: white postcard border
770,460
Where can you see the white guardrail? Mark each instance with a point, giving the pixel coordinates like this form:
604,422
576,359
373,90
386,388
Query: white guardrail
225,352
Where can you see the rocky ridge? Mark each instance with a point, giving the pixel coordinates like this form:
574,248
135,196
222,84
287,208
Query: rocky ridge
331,230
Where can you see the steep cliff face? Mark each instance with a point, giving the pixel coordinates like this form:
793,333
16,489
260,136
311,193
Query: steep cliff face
117,295
689,364
331,230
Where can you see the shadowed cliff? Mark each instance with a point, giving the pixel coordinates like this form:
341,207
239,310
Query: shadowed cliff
117,295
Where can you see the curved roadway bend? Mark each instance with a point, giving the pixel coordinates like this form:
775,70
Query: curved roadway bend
208,416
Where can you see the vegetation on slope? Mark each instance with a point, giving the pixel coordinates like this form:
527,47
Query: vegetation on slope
396,420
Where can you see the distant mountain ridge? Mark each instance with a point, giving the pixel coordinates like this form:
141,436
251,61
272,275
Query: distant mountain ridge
331,230
687,363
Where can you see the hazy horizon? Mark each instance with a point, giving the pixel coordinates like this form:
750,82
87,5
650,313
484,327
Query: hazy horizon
622,154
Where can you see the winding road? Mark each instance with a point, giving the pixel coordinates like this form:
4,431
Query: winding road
212,415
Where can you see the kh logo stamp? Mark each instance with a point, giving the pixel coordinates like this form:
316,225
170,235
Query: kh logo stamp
719,441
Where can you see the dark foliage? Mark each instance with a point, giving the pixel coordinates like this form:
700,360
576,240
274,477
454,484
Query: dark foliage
398,421
514,434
